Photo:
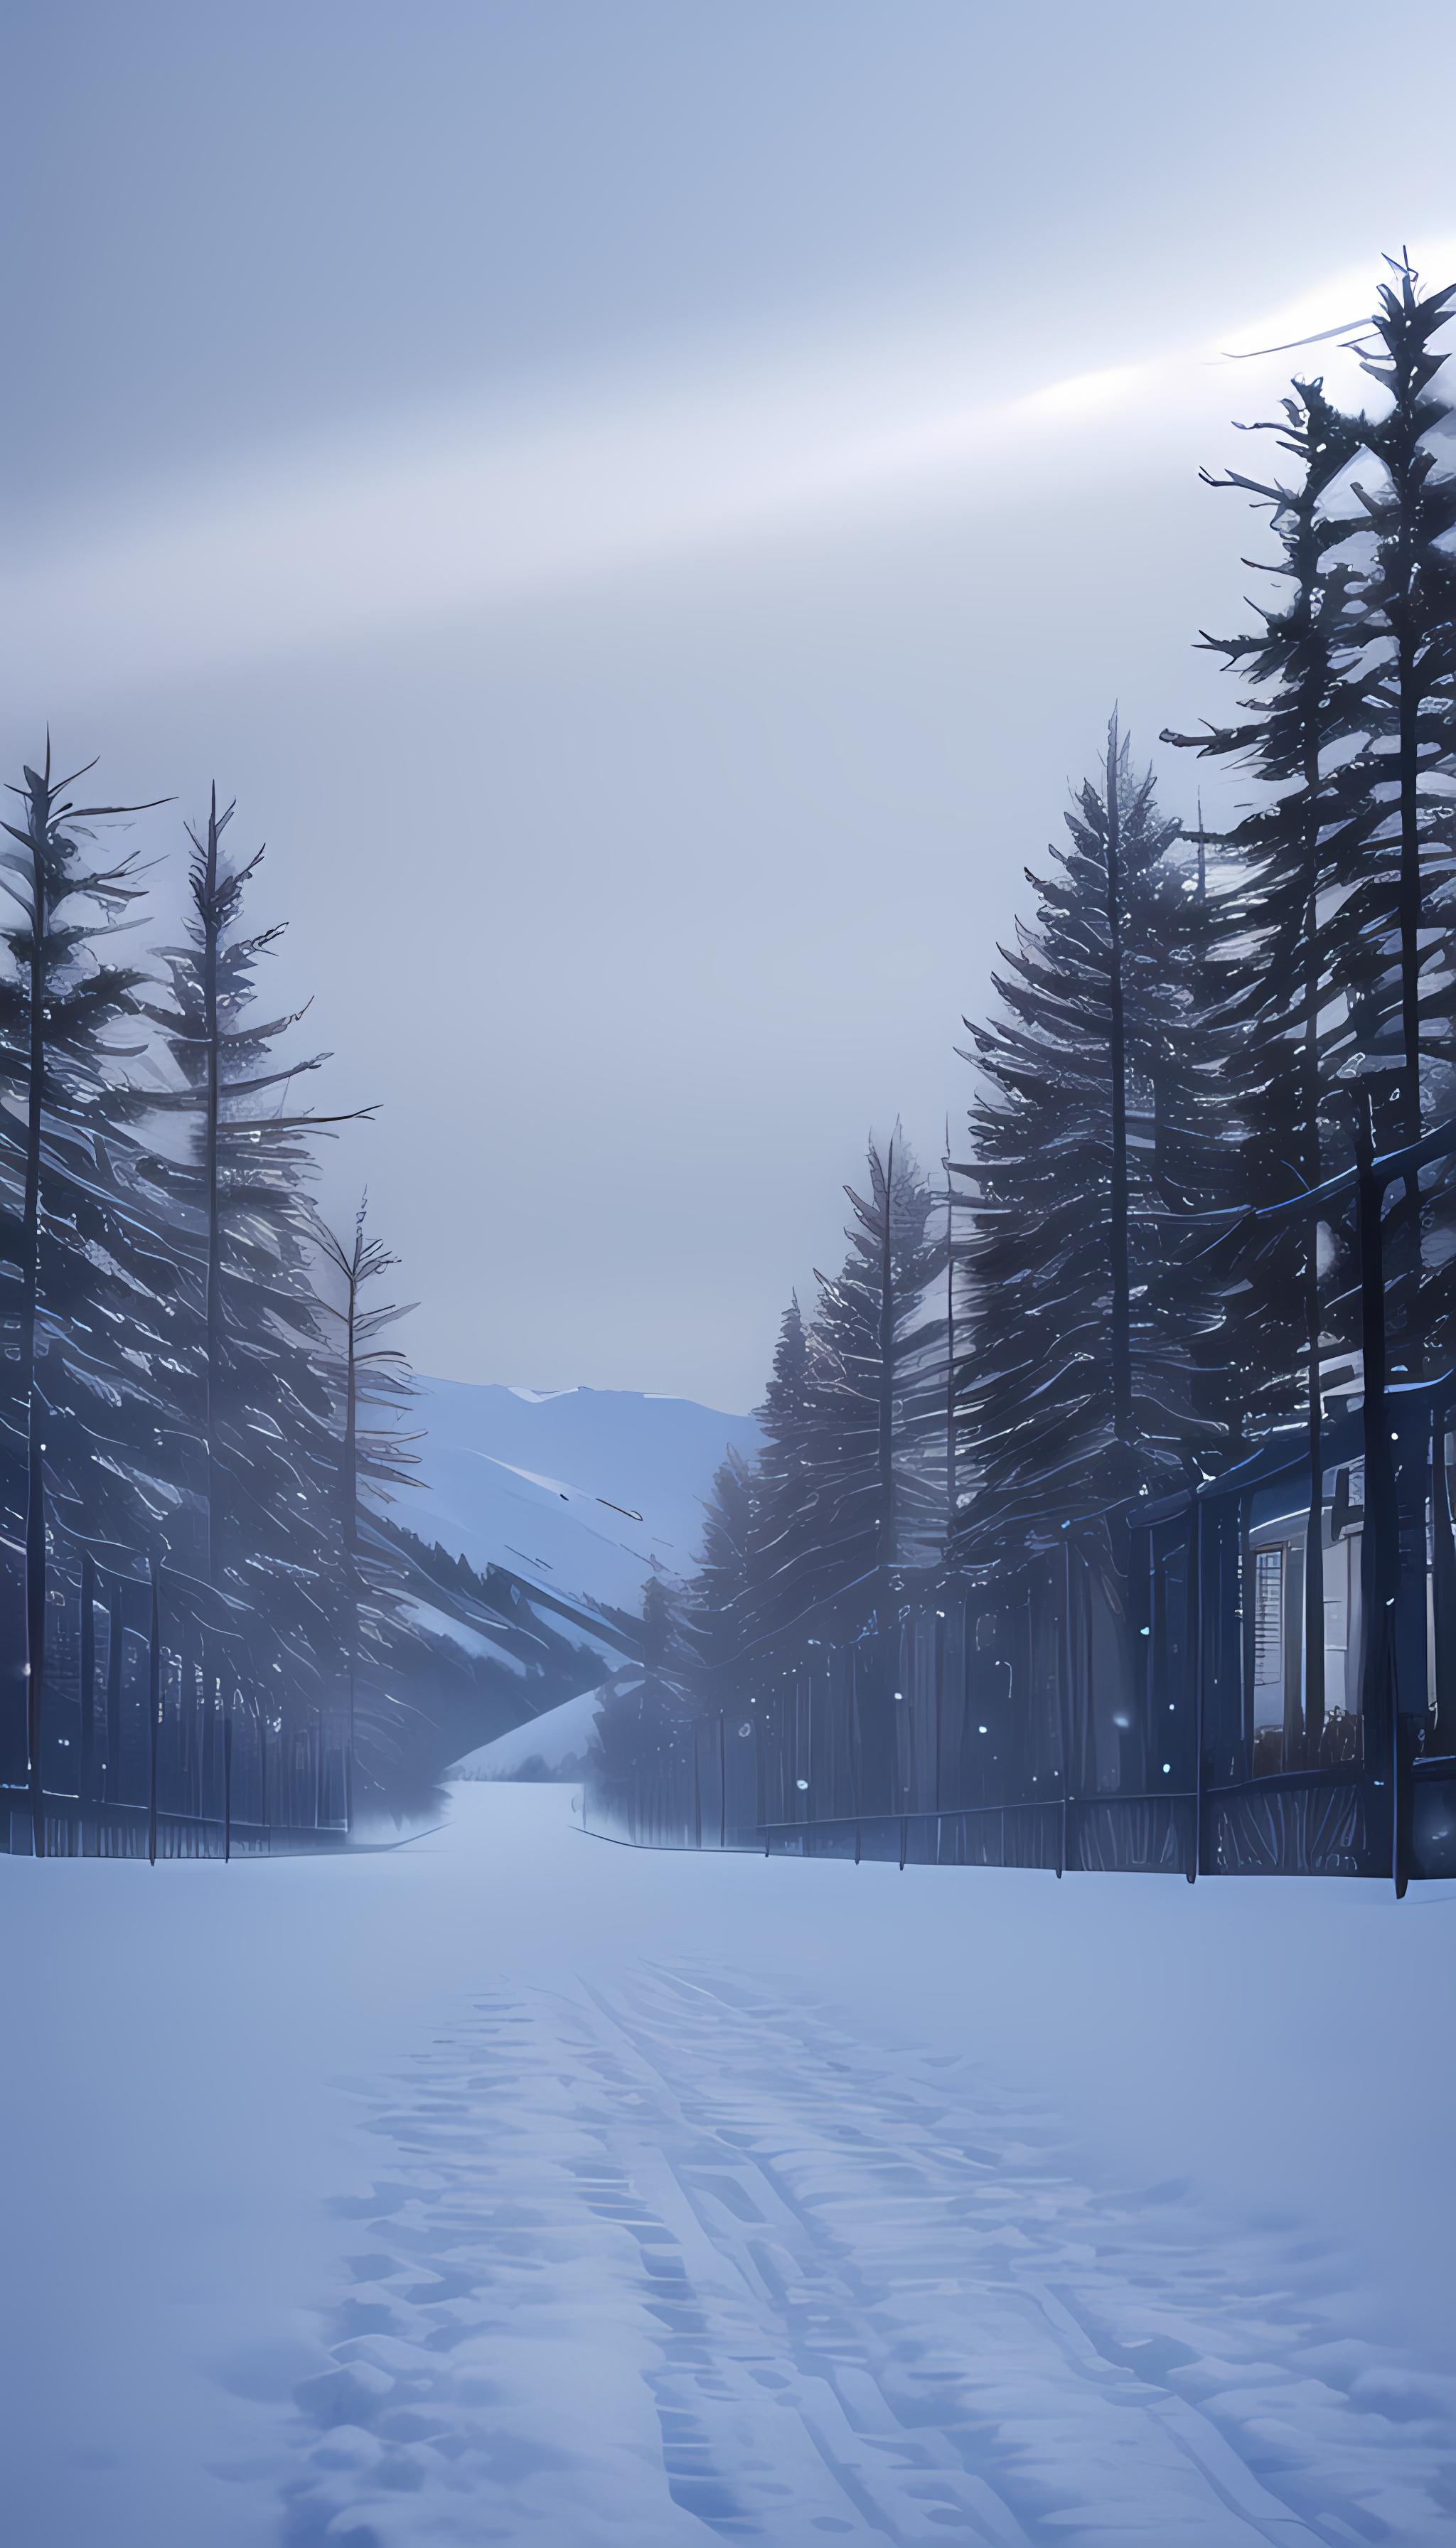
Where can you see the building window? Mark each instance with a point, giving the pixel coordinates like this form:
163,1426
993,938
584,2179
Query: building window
1269,1619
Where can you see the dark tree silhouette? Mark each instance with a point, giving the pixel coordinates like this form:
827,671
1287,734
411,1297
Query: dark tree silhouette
239,1181
71,1231
1396,967
1077,1376
372,1381
715,1617
872,1380
1278,928
781,1523
236,1164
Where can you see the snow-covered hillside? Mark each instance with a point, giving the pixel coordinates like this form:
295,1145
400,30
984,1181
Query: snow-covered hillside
553,1744
578,1490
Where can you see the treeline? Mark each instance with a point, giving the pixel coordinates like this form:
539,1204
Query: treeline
1078,1311
197,1396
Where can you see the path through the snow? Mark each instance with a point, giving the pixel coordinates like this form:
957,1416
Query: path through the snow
681,2253
669,2200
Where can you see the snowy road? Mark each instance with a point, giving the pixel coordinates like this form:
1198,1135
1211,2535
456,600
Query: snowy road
678,2198
859,2299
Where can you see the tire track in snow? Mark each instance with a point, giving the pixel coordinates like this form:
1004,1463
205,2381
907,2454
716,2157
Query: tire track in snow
913,2404
676,2253
1192,2340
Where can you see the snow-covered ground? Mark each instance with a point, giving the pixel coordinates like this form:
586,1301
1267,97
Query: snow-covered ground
517,2187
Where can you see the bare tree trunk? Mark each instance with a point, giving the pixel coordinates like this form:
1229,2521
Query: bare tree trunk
1443,1585
88,1694
1122,1318
153,1704
35,1587
228,1780
887,1440
115,1653
1380,1560
1409,902
1314,1640
211,1380
351,1529
952,1482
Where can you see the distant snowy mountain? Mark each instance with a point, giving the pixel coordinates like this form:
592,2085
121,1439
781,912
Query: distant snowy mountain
551,1746
580,1491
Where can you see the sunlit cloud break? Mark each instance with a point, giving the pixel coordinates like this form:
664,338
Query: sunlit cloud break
459,515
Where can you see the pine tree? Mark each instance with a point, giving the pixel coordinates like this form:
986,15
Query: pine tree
872,1382
715,1613
1202,1105
781,1523
951,1421
1283,920
1076,1379
1398,969
1337,958
372,1381
659,1631
78,1240
237,1178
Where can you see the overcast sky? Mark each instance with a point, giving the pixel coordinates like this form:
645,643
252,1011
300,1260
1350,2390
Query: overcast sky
648,508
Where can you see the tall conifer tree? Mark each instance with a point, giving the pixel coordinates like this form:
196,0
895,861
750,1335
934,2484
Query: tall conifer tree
373,1389
716,1615
1078,1375
240,1178
780,1571
1282,922
872,1380
77,1238
1398,965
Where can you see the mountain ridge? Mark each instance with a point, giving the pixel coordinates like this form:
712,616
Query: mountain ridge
581,1492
